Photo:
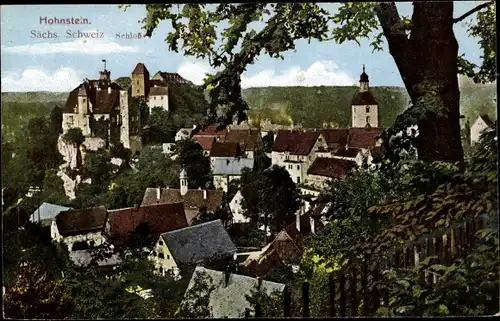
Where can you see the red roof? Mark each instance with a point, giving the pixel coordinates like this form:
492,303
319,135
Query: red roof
364,98
295,142
212,130
161,218
140,68
225,149
331,167
364,137
335,137
247,138
206,142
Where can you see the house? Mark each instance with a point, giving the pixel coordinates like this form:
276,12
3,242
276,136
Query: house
227,169
237,209
248,139
364,138
229,297
155,219
97,103
335,138
158,97
80,228
210,131
168,150
46,213
353,154
364,105
184,133
205,142
193,199
296,150
324,170
224,150
482,123
286,248
191,246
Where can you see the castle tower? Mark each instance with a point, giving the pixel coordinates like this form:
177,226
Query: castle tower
364,105
183,182
140,81
104,77
82,101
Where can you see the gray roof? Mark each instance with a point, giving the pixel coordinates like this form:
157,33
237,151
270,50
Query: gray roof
231,165
199,243
47,212
230,300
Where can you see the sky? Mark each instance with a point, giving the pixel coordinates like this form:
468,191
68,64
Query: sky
30,63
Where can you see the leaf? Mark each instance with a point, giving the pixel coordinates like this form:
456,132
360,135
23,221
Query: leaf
443,309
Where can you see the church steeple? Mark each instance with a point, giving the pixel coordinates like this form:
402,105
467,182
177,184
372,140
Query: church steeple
363,81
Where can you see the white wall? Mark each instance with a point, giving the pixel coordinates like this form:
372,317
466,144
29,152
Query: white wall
237,209
359,115
158,101
476,129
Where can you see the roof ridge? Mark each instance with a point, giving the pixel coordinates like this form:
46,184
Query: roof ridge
191,227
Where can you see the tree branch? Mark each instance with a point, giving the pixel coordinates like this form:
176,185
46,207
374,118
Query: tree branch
470,12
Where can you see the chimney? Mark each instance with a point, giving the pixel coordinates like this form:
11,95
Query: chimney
204,194
297,220
109,89
158,193
312,223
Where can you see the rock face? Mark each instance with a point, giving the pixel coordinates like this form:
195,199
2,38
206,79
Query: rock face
69,153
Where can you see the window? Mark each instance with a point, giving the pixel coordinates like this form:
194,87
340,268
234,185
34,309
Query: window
161,256
154,97
298,167
137,81
168,257
367,109
71,120
161,97
161,270
298,180
367,119
84,100
161,242
137,90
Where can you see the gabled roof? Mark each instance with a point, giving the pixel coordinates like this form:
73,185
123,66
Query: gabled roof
331,167
231,166
247,138
83,221
364,137
102,100
161,218
228,300
364,98
335,137
348,152
193,199
295,142
225,149
47,212
487,120
158,91
199,243
140,68
173,77
206,142
211,130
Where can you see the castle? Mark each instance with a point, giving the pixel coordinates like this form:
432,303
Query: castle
103,108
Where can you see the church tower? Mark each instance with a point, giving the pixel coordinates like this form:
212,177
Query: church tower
183,182
364,105
140,81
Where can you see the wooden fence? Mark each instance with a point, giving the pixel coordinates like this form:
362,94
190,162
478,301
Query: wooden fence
357,290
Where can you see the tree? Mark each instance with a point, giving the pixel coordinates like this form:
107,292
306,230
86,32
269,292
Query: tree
75,136
269,198
196,303
424,48
190,156
160,127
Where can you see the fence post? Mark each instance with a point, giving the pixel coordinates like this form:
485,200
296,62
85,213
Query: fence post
305,299
468,232
364,285
286,302
354,297
447,249
331,285
342,293
459,232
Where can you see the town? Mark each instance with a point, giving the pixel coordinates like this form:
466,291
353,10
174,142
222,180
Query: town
150,196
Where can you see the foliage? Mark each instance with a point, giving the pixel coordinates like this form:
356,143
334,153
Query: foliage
36,295
53,189
312,106
196,303
74,136
468,287
160,128
271,304
124,82
189,155
100,128
270,198
222,213
246,234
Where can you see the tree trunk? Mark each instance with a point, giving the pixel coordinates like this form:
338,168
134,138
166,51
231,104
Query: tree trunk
427,61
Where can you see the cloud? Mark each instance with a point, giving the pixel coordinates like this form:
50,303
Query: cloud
320,73
63,79
84,44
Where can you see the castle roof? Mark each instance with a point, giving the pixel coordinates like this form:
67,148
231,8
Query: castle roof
364,98
295,142
140,68
102,101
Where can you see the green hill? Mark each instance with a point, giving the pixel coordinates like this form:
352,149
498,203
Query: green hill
311,106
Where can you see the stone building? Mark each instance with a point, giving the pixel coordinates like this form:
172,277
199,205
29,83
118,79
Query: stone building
364,105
